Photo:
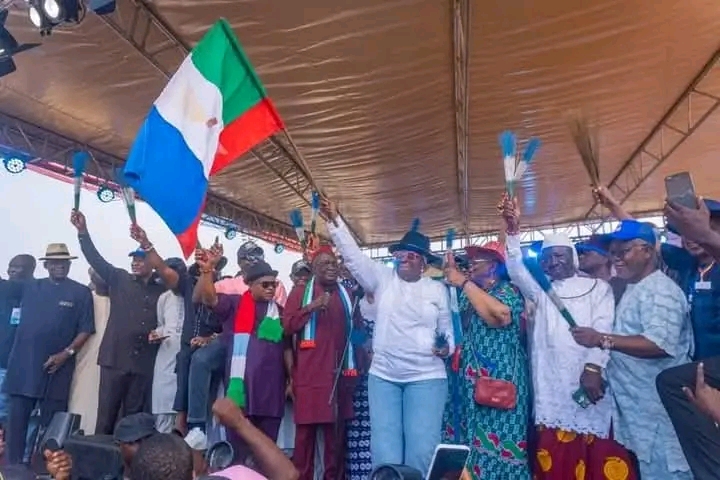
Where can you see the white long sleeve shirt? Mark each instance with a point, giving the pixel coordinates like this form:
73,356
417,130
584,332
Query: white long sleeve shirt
557,360
408,315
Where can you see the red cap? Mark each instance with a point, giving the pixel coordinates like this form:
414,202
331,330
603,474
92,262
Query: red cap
495,249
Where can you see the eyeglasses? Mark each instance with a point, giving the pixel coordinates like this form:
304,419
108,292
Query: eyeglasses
268,285
406,255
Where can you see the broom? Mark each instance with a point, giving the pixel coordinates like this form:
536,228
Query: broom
128,194
586,142
296,219
542,280
79,160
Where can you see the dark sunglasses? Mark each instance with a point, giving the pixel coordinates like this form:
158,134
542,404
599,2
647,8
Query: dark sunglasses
269,285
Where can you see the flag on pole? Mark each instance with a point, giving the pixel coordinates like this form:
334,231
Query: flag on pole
212,111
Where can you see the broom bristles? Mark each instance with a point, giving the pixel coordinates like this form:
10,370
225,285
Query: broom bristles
586,142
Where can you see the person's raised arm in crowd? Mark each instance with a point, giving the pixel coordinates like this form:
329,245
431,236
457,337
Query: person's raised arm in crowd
368,273
605,198
273,463
102,267
206,260
169,276
694,224
517,270
222,304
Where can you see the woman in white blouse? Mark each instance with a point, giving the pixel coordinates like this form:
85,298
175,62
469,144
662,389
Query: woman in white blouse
407,384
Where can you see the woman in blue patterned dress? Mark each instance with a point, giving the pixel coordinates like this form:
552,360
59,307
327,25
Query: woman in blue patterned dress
359,461
491,347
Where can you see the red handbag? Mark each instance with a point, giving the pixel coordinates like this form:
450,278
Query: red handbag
496,393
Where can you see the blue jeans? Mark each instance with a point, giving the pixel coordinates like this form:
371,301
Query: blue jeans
207,363
406,421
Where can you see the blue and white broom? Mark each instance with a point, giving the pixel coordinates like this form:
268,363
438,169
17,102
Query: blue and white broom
79,160
296,219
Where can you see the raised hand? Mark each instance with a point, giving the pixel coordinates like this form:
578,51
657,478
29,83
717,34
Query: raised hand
510,212
78,221
139,235
453,276
328,210
603,196
691,223
704,397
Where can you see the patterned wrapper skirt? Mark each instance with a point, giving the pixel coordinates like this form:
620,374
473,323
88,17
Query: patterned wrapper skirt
563,455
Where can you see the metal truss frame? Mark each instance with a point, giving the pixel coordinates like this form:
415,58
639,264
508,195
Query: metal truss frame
461,36
52,152
683,118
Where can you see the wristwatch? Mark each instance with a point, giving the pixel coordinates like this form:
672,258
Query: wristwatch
70,351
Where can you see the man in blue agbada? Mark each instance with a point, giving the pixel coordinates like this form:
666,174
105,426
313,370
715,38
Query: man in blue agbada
56,319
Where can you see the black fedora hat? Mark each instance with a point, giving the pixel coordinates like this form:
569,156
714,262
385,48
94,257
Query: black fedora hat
414,241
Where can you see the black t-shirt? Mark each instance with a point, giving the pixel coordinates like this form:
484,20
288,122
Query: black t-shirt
10,299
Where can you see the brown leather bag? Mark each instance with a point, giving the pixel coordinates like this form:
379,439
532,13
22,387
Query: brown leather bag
496,393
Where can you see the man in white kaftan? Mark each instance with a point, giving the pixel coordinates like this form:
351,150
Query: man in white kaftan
86,378
171,311
557,360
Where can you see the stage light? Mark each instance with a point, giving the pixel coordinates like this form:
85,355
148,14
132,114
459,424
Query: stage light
14,165
9,47
279,248
46,14
105,194
231,232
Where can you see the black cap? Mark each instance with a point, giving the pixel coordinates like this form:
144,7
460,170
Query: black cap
16,472
299,266
258,270
251,251
134,428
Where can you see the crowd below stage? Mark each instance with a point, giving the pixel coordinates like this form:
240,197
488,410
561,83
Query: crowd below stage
585,376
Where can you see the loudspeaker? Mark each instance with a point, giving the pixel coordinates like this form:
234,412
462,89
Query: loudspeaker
94,457
395,472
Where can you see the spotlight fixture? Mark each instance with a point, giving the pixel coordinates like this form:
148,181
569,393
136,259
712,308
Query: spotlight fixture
105,194
9,47
231,232
47,14
279,248
14,165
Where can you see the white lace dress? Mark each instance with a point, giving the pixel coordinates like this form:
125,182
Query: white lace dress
557,361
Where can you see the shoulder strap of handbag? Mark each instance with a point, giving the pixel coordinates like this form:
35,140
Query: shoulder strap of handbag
516,354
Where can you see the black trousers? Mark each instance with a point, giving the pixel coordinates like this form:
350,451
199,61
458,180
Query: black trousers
121,394
698,435
182,370
20,410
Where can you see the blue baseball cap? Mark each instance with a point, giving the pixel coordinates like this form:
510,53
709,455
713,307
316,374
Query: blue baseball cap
138,253
593,244
632,230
